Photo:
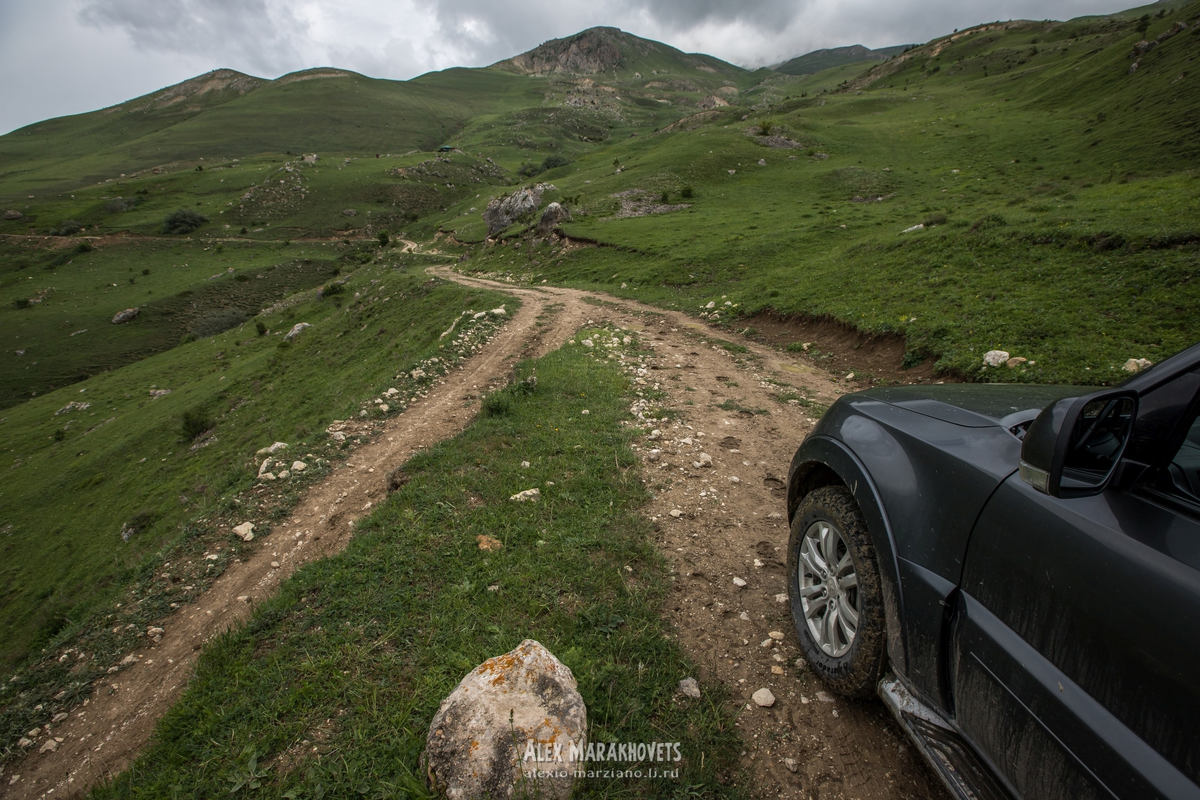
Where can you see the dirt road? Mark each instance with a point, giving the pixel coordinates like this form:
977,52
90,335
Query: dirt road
715,522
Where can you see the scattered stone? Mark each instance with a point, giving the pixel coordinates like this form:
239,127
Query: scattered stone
702,460
128,660
299,466
763,698
349,212
776,635
59,717
1013,363
49,747
776,670
295,331
791,765
765,643
33,733
155,632
734,479
552,216
588,343
654,455
920,226
781,598
13,214
245,531
489,542
825,698
274,565
337,436
265,467
392,392
267,476
24,742
676,513
498,312
774,515
245,598
996,358
529,495
126,315
689,687
1137,364
738,582
275,448
157,393
762,162
486,737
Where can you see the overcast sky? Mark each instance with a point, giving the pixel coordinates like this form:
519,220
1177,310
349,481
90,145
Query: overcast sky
61,57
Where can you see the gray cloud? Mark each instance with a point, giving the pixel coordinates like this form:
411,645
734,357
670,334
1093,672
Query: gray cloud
247,34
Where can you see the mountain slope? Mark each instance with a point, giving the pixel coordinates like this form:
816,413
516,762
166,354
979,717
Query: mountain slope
819,60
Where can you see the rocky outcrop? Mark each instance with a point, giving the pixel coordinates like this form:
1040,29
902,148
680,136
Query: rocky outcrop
509,717
296,330
551,217
507,209
711,102
126,315
588,53
13,214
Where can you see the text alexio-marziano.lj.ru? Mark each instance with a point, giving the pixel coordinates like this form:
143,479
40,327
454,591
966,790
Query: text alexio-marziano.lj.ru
599,759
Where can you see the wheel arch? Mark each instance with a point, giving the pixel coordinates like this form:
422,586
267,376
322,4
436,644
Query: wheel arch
822,461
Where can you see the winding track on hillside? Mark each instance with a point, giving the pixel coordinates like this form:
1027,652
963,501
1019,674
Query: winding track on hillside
729,525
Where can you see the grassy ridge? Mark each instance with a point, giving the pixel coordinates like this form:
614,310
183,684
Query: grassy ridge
76,478
331,686
1074,256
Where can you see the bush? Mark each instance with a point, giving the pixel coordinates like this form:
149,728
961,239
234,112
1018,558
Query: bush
686,192
67,228
217,321
21,302
185,220
194,423
261,327
383,238
555,161
936,219
528,170
989,222
765,127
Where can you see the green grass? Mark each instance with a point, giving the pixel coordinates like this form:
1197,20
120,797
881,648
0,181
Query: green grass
333,683
67,496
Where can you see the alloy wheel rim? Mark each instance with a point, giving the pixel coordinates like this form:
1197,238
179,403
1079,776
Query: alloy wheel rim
829,594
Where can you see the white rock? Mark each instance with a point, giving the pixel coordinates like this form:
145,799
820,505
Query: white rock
392,392
584,413
154,631
656,433
920,226
275,448
338,436
524,465
676,513
483,740
702,460
825,698
296,330
738,582
265,467
49,747
588,343
774,515
767,643
995,358
245,531
744,616
781,598
529,495
417,374
1137,364
383,408
763,698
734,479
776,635
299,466
654,455
689,687
498,312
284,475
711,304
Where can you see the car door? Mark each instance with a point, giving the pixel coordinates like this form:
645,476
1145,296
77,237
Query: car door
1075,651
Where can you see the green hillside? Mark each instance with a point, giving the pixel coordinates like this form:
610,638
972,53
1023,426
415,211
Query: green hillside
819,60
1016,186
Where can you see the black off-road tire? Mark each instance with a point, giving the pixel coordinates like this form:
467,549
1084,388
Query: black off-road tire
855,673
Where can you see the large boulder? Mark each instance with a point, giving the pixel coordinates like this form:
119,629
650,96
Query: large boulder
126,315
13,214
552,216
513,717
520,205
296,330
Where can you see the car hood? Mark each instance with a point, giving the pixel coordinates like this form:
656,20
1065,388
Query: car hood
975,405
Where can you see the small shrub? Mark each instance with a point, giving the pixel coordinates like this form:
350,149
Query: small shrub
765,127
261,327
145,272
383,238
686,192
185,220
498,404
555,161
59,435
936,219
243,231
21,302
331,289
194,423
912,358
795,347
665,197
241,277
68,227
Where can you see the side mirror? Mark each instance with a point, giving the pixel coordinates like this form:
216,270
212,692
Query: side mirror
1075,444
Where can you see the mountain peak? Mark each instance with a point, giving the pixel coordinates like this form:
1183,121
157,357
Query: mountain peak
588,52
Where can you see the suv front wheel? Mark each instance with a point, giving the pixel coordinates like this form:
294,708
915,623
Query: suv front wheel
834,592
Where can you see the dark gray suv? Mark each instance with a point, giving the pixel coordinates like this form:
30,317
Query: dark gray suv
1016,571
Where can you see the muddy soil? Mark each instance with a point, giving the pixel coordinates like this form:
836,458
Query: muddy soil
714,521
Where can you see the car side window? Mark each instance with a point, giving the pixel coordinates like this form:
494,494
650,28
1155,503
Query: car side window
1184,469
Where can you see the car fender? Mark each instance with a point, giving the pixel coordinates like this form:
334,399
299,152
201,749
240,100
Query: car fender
823,461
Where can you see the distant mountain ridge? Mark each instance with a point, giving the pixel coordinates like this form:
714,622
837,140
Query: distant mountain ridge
818,60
